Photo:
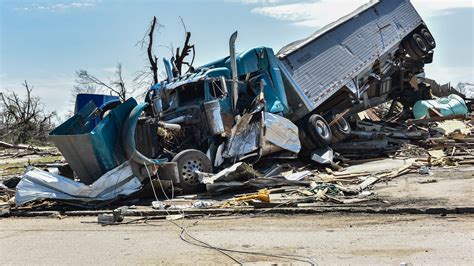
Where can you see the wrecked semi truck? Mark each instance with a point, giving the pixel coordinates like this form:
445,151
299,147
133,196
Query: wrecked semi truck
257,103
366,58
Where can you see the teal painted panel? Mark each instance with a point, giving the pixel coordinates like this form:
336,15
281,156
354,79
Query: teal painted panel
91,152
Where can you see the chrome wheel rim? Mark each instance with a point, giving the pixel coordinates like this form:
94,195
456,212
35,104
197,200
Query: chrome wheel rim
188,171
322,129
344,126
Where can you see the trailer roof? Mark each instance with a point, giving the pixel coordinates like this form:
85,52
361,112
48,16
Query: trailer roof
290,48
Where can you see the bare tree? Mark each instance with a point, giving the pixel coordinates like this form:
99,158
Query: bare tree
185,52
83,88
23,118
118,86
87,79
144,79
89,82
151,57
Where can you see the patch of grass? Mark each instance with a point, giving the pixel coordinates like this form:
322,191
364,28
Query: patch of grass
12,170
46,159
16,168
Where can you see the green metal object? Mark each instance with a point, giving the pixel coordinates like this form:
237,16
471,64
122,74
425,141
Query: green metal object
451,105
92,151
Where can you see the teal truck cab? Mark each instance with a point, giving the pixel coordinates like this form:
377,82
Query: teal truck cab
219,114
214,81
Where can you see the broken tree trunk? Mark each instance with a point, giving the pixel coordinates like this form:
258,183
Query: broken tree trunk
19,147
153,60
187,50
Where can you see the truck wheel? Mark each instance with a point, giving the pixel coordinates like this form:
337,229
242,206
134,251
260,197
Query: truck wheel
340,130
417,43
319,131
429,40
307,143
410,51
188,161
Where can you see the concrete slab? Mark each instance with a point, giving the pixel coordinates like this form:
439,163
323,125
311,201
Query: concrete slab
325,239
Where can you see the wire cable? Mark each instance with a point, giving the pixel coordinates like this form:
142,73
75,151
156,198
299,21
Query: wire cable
223,251
182,226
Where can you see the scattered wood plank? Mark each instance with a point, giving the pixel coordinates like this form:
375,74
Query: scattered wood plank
466,162
348,175
368,182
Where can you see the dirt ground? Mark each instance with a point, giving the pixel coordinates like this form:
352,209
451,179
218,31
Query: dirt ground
326,239
322,239
442,187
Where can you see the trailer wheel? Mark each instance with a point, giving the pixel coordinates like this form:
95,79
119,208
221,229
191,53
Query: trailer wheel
319,131
429,40
188,161
410,51
417,43
307,142
340,130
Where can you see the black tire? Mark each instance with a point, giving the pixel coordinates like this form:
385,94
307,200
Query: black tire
319,131
417,43
428,38
413,55
306,141
341,130
188,161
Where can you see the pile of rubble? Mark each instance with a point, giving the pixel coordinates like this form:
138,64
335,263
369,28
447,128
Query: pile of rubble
259,129
349,180
410,147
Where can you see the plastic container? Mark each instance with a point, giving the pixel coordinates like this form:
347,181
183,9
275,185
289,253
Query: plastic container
451,105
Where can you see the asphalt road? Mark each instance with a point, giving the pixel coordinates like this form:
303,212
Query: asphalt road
326,239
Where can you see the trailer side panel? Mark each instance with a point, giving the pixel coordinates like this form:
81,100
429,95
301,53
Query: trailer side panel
330,58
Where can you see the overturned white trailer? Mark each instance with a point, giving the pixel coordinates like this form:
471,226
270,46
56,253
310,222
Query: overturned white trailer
361,60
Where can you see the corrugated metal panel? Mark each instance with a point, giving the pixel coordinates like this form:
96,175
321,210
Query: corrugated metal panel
323,63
